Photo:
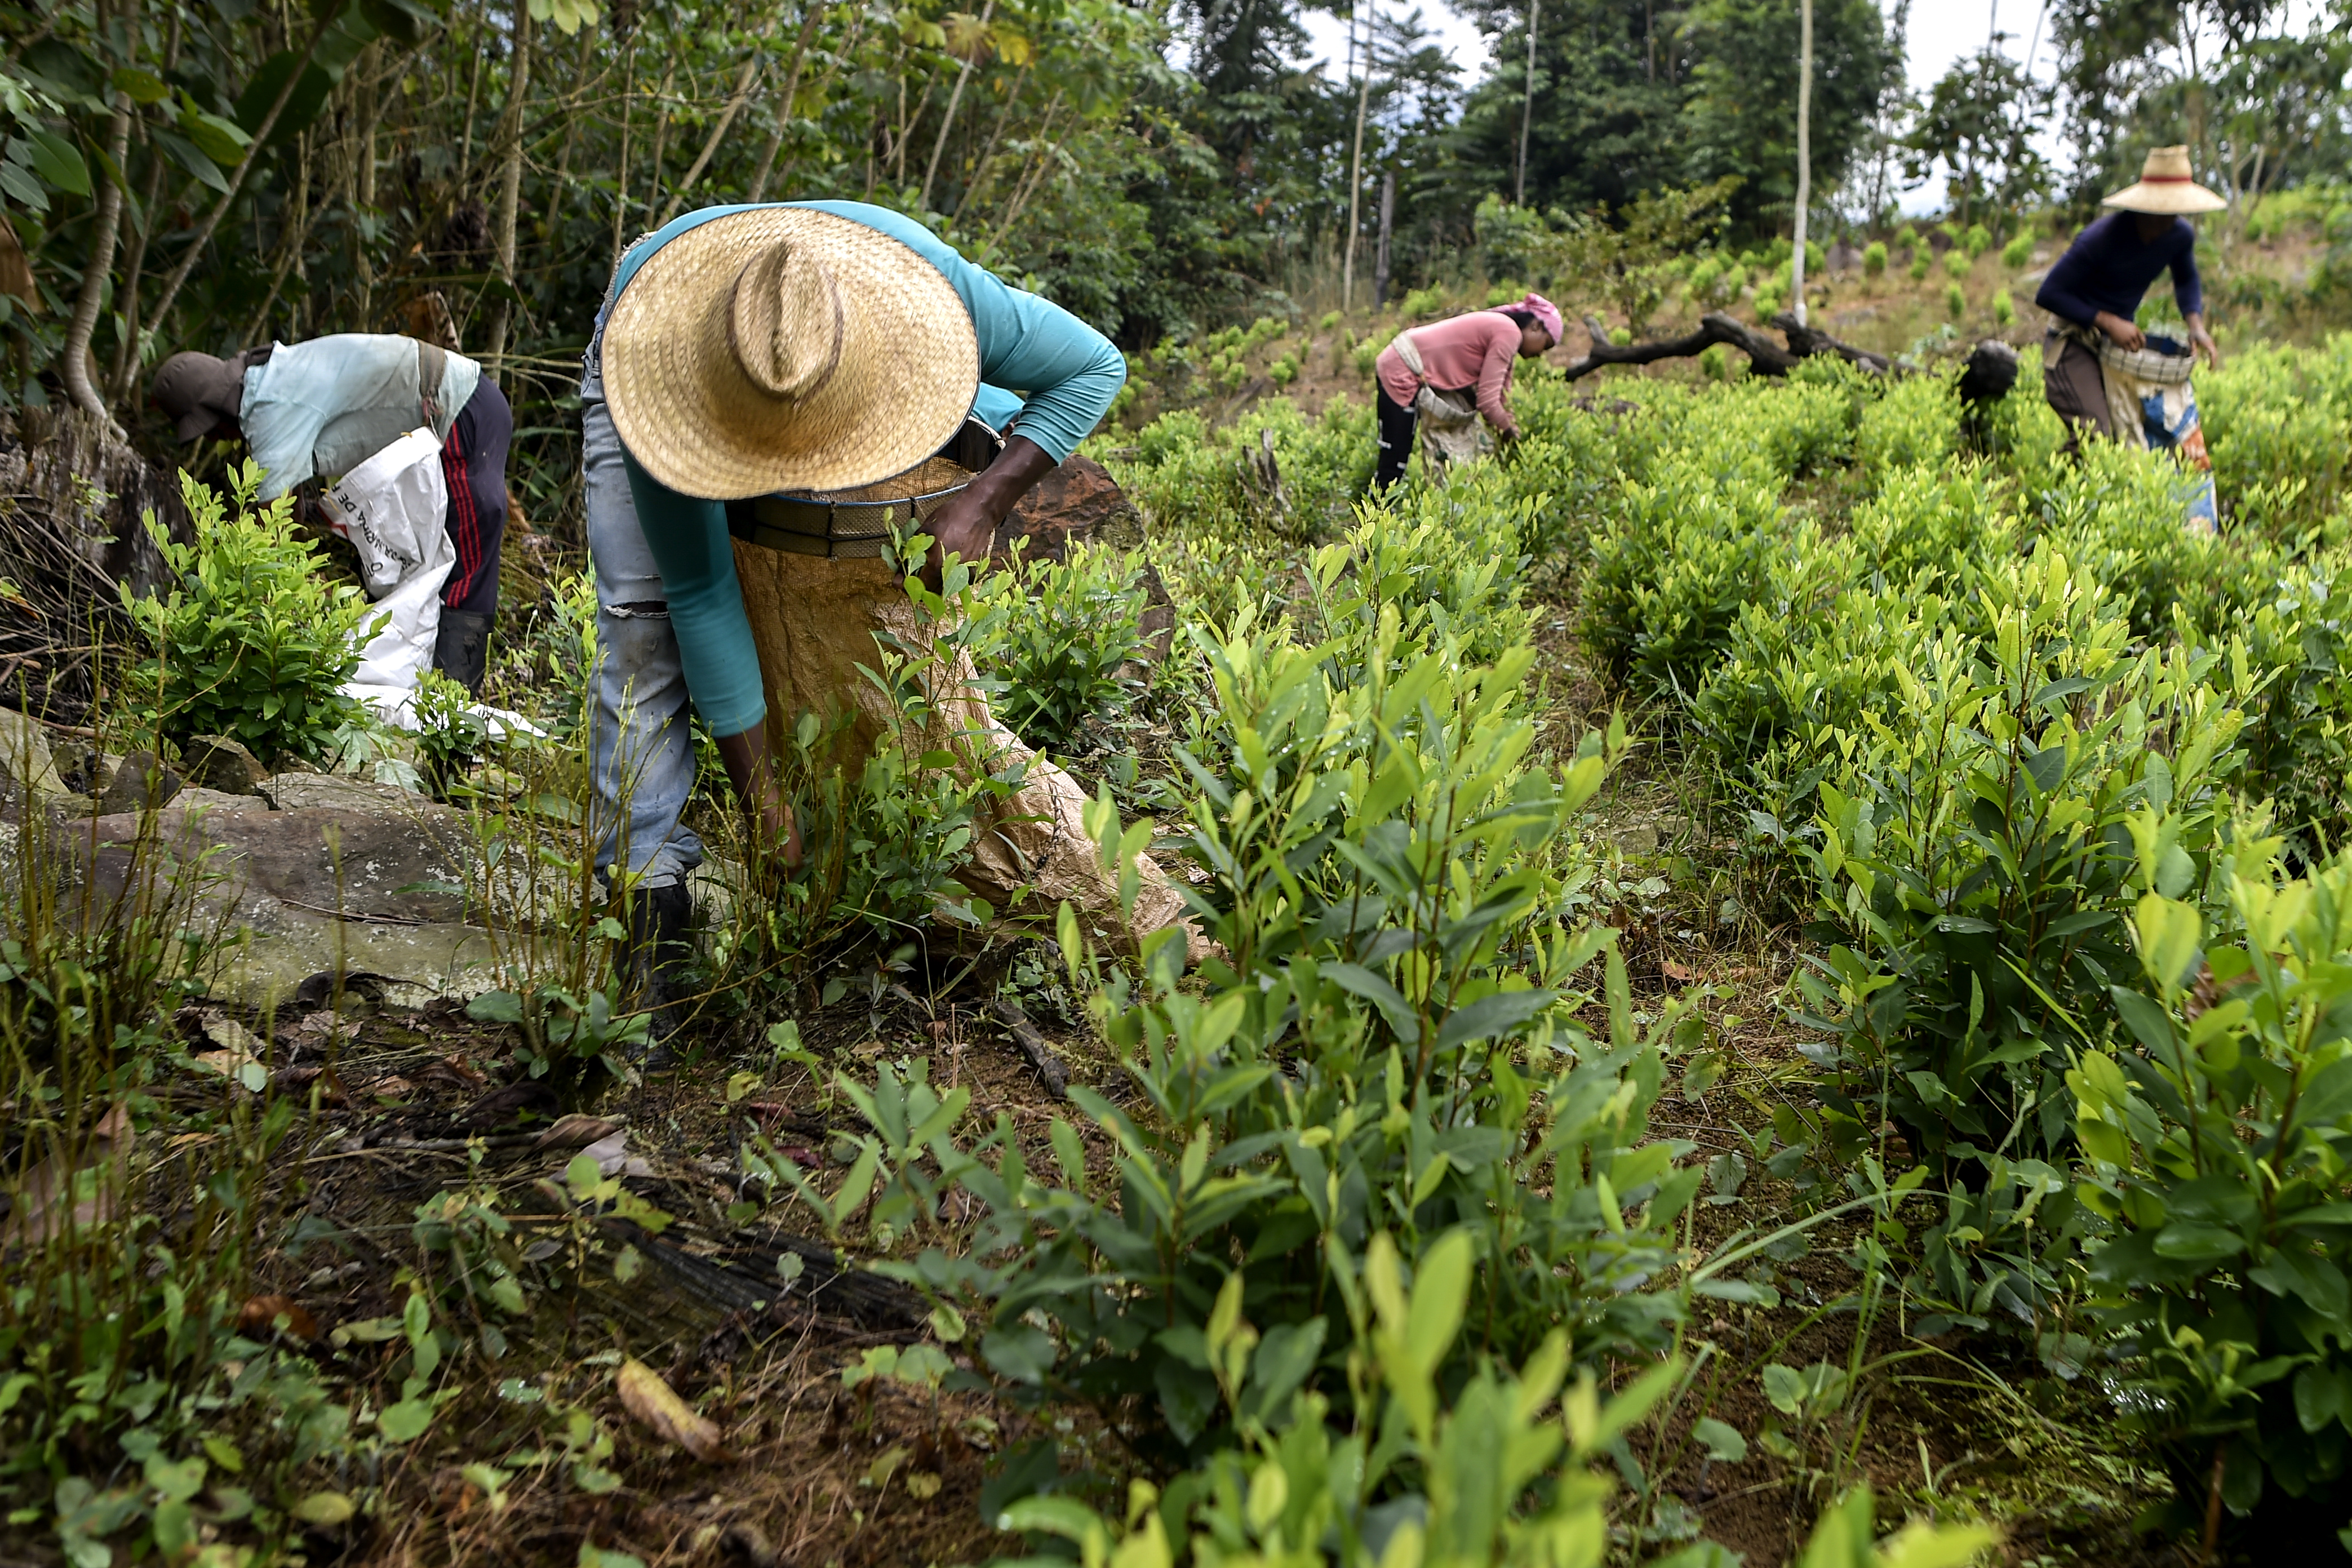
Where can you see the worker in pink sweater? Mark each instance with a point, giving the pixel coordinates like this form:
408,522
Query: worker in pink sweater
1452,372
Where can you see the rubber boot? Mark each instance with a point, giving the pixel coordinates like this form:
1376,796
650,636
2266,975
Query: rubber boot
461,648
653,964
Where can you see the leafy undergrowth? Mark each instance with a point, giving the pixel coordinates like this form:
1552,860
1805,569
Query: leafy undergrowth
1768,965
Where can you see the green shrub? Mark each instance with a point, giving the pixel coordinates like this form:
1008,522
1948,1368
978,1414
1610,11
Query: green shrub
1071,627
1920,262
2214,1137
1874,260
1956,262
1370,1053
253,641
2277,424
1705,277
1714,363
1956,303
450,734
1422,302
2004,309
1484,1460
1977,241
1667,580
1973,868
2019,251
1917,422
2299,737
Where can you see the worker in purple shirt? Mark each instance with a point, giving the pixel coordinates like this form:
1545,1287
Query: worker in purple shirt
2095,290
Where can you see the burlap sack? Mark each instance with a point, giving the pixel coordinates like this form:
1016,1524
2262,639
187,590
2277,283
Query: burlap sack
814,622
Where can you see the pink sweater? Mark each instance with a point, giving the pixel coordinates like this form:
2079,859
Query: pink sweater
1476,349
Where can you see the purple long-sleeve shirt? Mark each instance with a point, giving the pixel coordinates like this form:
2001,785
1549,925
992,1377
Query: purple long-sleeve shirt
2108,267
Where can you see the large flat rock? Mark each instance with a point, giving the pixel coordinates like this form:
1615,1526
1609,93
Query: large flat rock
377,886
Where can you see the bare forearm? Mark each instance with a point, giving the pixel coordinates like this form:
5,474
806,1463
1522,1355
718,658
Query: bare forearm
968,523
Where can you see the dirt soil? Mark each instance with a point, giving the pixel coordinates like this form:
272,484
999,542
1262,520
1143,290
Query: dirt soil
413,1108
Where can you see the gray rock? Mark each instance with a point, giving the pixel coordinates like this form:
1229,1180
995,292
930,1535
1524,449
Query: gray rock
216,762
192,797
25,759
144,782
302,791
85,769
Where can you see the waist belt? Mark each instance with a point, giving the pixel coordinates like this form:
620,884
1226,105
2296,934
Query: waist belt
852,531
838,530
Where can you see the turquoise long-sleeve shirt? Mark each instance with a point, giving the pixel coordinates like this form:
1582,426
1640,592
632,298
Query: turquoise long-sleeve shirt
1068,371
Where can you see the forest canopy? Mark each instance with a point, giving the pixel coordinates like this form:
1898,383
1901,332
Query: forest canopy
213,176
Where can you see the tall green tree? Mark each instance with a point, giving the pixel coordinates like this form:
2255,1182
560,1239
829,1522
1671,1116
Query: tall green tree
1738,115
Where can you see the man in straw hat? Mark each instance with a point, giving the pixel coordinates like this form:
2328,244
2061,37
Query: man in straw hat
2100,371
748,357
321,408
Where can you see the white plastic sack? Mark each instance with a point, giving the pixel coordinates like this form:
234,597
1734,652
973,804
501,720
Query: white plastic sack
392,508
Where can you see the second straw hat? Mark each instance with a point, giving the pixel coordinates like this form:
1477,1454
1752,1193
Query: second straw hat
2165,188
782,348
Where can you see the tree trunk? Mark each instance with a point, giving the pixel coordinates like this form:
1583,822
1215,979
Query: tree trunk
1381,255
790,96
1356,167
1804,147
128,360
981,171
620,181
726,118
502,235
107,225
1526,106
955,97
244,166
1034,175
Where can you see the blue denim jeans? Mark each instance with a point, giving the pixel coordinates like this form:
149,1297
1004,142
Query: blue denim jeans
641,751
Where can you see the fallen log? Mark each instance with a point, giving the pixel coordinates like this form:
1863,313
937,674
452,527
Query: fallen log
1985,378
1767,358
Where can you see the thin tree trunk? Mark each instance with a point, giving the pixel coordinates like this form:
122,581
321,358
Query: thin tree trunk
473,96
293,235
361,188
100,265
988,154
906,131
1035,174
726,118
1526,106
1356,168
1380,256
947,119
661,133
195,250
128,360
573,114
502,234
621,184
1804,146
784,105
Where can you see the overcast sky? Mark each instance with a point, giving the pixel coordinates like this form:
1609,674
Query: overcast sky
1939,34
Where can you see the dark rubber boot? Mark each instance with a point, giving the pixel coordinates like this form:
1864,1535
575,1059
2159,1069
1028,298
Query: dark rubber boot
461,650
653,964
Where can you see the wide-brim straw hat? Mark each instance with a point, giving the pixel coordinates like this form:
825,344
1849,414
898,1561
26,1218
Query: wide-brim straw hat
2165,188
782,349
